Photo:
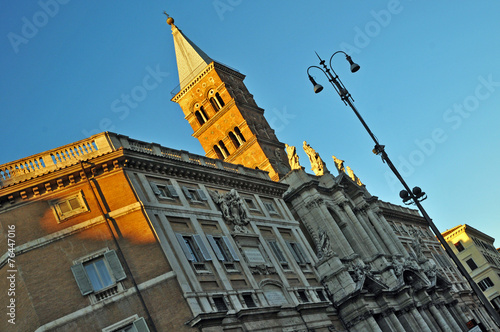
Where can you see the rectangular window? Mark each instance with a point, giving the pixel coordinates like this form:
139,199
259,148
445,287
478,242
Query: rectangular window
193,247
67,207
194,195
251,204
321,295
297,253
472,264
99,274
164,191
485,284
278,253
220,304
270,208
303,296
249,302
459,246
223,248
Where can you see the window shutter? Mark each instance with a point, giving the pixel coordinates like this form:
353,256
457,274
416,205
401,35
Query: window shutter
81,278
184,247
231,249
301,253
155,188
115,265
172,191
202,247
294,254
278,252
140,325
215,247
187,193
202,195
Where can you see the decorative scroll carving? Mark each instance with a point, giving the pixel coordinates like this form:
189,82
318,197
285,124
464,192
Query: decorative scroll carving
317,164
262,269
293,158
231,206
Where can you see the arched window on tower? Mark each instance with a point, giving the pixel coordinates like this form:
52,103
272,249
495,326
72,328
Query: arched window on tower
235,141
200,118
217,102
224,150
202,111
239,135
218,152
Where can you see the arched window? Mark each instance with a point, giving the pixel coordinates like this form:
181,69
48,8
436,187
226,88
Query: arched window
200,118
202,111
224,150
235,141
239,135
219,100
214,104
218,152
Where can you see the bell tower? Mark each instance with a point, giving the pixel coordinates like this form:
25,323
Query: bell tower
222,112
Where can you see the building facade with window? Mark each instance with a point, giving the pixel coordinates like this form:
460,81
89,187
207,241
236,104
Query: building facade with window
113,234
478,255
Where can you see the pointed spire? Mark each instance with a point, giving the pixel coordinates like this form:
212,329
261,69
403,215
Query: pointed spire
191,60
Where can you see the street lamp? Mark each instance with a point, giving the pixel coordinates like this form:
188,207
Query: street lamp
414,196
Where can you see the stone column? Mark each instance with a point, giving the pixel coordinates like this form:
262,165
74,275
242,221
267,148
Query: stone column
440,319
429,320
373,324
382,231
450,319
420,321
398,243
396,323
363,236
369,230
338,240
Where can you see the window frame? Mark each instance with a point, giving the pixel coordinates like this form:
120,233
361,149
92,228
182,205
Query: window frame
113,266
460,246
164,191
486,283
63,216
469,262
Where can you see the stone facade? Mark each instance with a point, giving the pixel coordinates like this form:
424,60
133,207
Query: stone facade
111,231
377,280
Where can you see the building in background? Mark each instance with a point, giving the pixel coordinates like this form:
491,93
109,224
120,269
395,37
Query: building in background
476,252
113,234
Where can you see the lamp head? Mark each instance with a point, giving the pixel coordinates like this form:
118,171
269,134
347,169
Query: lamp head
317,87
354,66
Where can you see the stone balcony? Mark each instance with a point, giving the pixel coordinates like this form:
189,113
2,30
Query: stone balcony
100,144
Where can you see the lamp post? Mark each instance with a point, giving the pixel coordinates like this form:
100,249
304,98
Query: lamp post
409,196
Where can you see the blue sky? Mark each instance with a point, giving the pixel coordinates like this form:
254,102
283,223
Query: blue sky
429,84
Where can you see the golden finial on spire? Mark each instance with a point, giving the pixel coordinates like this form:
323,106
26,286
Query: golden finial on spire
170,20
